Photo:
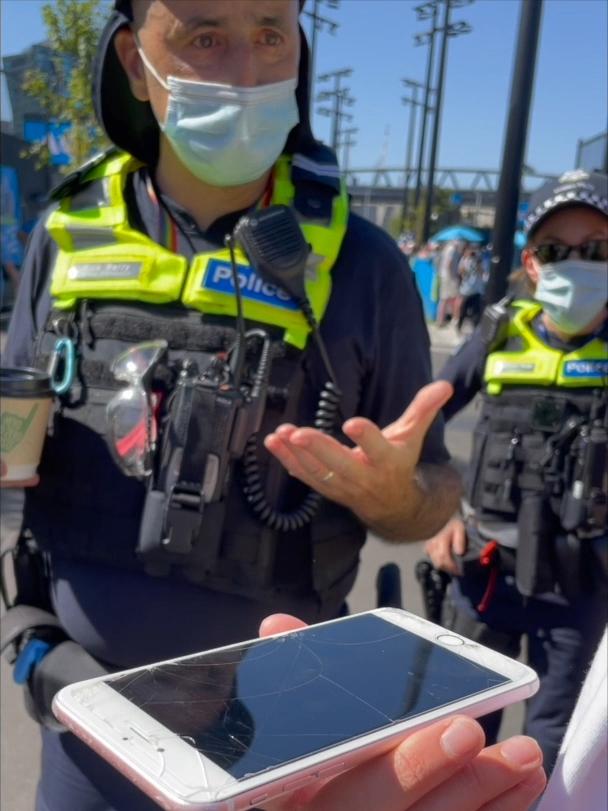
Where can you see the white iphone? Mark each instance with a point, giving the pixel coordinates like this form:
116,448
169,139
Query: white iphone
232,728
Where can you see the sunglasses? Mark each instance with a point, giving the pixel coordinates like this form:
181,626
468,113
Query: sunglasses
596,250
131,415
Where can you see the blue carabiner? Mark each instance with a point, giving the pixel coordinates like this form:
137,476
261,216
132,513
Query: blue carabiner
64,349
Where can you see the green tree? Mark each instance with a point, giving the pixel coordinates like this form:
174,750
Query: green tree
443,208
64,93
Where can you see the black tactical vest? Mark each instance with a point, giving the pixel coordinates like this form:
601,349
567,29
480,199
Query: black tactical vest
86,509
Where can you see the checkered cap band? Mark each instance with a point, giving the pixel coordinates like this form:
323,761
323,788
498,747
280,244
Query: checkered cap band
124,6
578,187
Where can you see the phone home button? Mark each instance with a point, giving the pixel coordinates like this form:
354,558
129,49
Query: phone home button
450,640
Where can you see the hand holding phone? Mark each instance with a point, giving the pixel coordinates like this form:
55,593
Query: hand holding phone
442,766
250,724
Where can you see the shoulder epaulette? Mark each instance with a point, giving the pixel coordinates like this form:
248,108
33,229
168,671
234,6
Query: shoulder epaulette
74,181
317,165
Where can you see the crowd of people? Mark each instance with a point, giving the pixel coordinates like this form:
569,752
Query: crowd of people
461,271
167,76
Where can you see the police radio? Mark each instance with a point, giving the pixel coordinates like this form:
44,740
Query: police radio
213,415
494,325
585,502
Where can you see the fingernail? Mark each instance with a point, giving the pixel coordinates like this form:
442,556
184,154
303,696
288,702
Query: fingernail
521,751
461,737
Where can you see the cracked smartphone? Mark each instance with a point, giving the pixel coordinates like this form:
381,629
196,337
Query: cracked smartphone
233,728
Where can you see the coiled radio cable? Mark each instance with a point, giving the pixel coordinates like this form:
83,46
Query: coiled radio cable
325,420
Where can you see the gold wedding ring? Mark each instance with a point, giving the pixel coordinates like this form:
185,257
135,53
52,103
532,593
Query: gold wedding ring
328,476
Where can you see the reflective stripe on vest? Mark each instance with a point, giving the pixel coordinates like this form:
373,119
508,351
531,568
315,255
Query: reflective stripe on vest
537,364
101,257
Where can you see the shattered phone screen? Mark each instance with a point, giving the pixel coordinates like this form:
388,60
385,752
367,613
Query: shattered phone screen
258,706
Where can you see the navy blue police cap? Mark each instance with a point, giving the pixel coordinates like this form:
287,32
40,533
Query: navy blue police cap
575,188
124,6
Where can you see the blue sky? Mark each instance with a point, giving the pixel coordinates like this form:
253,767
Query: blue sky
375,38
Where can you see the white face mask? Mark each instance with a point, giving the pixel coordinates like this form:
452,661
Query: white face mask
225,135
572,292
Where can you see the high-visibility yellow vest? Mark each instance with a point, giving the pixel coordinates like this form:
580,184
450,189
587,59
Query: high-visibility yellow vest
537,364
102,257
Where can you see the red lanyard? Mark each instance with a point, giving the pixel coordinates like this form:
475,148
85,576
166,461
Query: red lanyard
268,191
167,227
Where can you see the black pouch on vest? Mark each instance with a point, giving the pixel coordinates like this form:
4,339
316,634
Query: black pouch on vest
569,565
534,565
30,575
195,468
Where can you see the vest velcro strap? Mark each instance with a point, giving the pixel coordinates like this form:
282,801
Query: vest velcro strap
138,326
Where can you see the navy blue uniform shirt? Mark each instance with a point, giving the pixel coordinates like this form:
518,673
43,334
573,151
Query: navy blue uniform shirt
378,344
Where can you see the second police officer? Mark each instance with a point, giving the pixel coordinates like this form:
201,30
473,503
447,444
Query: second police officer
530,550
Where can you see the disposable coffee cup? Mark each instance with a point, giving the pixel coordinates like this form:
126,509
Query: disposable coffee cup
25,404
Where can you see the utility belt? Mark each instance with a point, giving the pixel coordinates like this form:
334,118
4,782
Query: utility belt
547,558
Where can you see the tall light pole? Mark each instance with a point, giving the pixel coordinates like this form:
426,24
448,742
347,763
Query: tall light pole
413,103
336,113
447,30
425,12
345,143
514,148
318,24
341,98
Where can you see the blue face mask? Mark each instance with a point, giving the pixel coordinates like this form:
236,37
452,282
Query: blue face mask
225,135
572,292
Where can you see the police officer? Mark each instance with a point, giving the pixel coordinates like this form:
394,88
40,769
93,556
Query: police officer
132,559
529,552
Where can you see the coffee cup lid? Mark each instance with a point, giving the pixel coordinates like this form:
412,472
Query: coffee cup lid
24,383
